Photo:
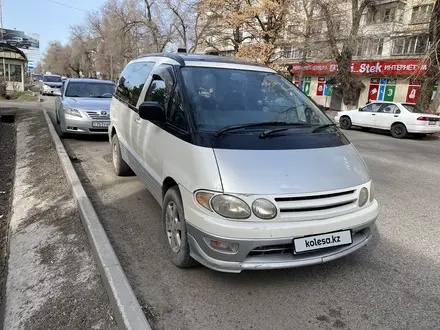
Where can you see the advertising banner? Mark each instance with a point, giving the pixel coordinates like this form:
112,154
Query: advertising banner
386,68
28,42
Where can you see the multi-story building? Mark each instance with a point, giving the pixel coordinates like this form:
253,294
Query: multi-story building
389,56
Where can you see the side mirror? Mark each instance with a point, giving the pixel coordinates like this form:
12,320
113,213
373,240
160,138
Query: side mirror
152,111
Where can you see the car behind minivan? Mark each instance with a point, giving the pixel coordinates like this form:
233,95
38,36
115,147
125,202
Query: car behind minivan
249,173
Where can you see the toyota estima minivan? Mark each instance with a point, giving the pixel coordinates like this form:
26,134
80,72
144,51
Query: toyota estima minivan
250,174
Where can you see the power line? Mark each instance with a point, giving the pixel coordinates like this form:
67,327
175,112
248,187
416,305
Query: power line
63,4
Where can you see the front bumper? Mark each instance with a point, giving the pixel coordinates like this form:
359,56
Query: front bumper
249,256
269,244
76,125
51,91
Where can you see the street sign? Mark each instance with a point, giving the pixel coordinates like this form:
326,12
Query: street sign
30,65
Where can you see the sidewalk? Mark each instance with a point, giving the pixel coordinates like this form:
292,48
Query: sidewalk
52,280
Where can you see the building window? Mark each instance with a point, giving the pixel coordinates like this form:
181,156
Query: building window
15,71
421,14
316,27
369,47
377,15
410,45
292,52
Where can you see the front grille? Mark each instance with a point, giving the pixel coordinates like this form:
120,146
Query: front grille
319,206
96,115
271,249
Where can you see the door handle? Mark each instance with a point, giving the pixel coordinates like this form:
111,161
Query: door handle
373,114
138,120
396,116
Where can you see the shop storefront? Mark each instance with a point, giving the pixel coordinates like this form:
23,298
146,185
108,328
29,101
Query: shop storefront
383,80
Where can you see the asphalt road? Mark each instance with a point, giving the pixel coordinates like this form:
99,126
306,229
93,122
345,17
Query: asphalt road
392,283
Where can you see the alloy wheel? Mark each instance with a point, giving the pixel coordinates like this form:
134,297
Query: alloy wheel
173,227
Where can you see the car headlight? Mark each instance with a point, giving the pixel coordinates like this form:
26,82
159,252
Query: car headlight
363,197
371,191
72,112
230,207
264,209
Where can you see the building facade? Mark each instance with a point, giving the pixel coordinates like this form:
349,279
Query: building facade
389,56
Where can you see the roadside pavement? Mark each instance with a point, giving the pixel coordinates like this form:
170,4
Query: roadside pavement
52,280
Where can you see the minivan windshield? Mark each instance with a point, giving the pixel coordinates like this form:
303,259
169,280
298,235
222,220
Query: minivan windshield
222,97
90,89
55,79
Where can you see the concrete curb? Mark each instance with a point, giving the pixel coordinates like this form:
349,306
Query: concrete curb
128,312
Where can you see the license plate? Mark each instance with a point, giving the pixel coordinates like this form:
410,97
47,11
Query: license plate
316,242
432,123
100,123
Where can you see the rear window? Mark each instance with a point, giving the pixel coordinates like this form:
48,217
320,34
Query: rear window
132,82
412,108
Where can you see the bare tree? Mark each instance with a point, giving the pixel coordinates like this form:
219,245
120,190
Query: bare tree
344,81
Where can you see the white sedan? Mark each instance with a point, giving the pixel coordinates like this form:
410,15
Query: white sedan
399,118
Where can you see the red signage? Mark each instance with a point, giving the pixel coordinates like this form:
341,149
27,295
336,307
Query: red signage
320,89
398,67
412,94
373,92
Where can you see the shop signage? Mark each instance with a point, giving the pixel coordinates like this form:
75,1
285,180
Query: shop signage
306,85
397,67
413,91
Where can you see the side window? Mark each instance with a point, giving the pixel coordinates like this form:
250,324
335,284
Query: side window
132,81
372,107
161,85
176,114
390,108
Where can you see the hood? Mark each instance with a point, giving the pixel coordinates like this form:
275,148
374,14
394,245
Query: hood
290,171
53,84
88,103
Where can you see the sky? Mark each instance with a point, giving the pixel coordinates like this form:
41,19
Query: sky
47,18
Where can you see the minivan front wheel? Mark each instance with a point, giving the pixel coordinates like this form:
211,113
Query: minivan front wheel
174,228
120,167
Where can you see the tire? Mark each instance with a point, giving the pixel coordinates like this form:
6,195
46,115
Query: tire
174,230
345,122
120,167
398,131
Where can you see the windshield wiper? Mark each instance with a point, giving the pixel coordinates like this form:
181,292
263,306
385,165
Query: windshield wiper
235,127
319,128
281,129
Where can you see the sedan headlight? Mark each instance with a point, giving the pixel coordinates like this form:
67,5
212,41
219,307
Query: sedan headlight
230,207
264,209
72,112
363,197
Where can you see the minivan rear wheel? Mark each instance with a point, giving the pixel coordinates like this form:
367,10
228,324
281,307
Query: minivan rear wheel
119,165
174,229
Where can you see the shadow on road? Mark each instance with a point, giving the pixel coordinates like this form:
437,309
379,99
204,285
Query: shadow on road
388,134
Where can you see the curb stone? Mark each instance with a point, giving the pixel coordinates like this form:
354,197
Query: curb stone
127,310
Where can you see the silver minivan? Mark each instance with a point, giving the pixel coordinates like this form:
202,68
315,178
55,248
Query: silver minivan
250,174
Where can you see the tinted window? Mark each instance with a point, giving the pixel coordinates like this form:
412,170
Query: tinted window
176,114
373,107
223,97
389,108
52,79
90,89
412,108
161,85
132,81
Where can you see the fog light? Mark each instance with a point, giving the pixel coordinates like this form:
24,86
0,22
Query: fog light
220,246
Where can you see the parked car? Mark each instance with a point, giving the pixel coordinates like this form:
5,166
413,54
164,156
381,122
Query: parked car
50,84
250,174
83,106
396,117
37,77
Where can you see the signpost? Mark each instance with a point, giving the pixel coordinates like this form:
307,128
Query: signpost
30,65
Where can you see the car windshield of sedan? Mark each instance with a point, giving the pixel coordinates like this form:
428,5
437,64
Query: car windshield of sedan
412,108
55,79
223,97
90,89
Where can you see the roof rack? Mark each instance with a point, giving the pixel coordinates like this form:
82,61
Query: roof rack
172,56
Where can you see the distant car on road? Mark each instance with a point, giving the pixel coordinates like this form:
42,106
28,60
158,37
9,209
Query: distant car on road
37,77
50,84
84,106
397,117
